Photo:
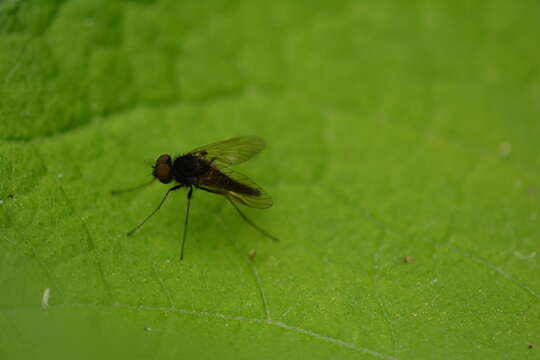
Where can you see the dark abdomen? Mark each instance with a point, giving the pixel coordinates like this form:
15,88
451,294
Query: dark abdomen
217,179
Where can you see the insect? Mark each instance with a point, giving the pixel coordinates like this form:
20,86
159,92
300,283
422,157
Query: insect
206,168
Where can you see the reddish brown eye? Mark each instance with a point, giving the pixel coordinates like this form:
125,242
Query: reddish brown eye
163,159
163,173
163,169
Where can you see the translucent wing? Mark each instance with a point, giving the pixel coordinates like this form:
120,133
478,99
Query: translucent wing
232,151
236,186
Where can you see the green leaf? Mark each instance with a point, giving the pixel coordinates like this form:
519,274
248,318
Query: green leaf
402,157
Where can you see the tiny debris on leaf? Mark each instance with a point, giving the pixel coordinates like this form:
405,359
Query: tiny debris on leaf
45,298
408,259
505,149
530,346
252,253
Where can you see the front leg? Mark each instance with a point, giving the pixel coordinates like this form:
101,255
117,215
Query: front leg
189,194
158,207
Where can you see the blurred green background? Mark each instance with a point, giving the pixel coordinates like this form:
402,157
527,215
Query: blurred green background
394,129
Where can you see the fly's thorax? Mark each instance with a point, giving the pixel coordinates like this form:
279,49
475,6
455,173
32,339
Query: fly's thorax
187,168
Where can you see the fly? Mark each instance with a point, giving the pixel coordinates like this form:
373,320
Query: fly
206,168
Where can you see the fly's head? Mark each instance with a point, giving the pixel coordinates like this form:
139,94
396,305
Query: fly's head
162,169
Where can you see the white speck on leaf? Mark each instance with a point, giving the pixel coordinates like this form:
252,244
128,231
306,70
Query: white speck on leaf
505,149
524,256
45,298
285,313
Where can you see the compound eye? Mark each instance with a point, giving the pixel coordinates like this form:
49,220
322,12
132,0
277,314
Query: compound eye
163,169
163,172
164,159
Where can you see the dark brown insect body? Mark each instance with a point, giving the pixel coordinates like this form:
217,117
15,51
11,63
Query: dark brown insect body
192,170
187,169
218,179
206,168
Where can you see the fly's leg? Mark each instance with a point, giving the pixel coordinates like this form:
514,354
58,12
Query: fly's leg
190,192
153,212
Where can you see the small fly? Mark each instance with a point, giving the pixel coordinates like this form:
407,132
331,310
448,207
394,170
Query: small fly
206,168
